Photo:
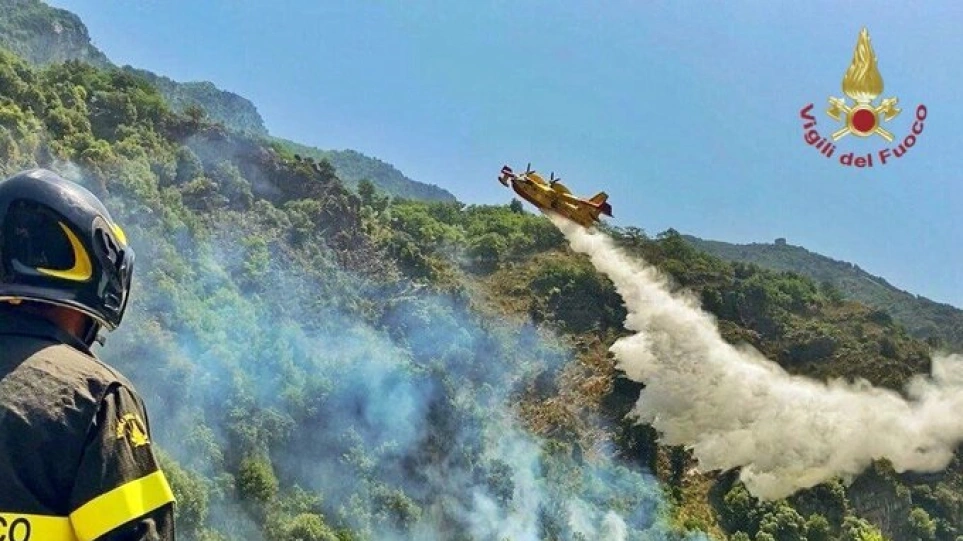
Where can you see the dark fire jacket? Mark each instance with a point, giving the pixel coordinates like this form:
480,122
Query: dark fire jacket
76,461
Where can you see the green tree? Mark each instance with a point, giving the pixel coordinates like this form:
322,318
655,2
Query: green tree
818,528
196,114
189,166
191,494
256,480
366,191
257,261
784,523
488,250
738,509
233,186
370,197
857,529
921,524
308,527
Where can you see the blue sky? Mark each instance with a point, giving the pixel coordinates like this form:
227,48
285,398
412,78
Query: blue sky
686,113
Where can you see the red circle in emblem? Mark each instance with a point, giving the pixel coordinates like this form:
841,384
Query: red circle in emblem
864,120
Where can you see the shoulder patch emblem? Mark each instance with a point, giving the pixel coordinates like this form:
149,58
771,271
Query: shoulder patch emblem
132,428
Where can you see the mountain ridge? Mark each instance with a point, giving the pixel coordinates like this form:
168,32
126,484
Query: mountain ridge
43,34
940,323
353,166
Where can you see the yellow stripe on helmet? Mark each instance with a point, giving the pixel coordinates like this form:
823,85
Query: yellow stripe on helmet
119,233
82,269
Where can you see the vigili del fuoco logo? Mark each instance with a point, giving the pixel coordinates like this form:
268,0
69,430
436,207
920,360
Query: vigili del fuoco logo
864,116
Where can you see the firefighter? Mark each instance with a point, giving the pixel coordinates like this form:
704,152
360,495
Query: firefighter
76,457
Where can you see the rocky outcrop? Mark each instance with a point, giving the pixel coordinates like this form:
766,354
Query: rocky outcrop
42,34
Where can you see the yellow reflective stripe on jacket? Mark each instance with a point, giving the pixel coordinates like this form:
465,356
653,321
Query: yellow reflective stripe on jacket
23,527
123,504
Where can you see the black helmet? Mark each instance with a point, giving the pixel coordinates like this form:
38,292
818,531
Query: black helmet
59,245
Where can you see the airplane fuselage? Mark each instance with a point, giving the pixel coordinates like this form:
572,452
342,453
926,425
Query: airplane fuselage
555,197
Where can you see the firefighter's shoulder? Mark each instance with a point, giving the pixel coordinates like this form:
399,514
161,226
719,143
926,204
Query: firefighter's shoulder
62,366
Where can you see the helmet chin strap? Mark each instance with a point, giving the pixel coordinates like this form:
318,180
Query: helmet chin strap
93,334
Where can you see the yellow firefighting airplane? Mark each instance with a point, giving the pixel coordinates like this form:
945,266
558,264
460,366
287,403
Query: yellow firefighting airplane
554,196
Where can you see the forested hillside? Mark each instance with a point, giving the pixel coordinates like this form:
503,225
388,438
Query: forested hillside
354,167
321,364
221,106
42,34
941,324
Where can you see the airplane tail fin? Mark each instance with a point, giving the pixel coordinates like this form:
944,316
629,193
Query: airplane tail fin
599,200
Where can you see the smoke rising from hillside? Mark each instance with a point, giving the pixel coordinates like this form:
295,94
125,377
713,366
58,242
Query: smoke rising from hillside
400,415
735,408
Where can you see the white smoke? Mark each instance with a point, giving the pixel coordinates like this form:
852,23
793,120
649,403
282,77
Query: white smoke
521,520
734,408
489,520
581,521
614,529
